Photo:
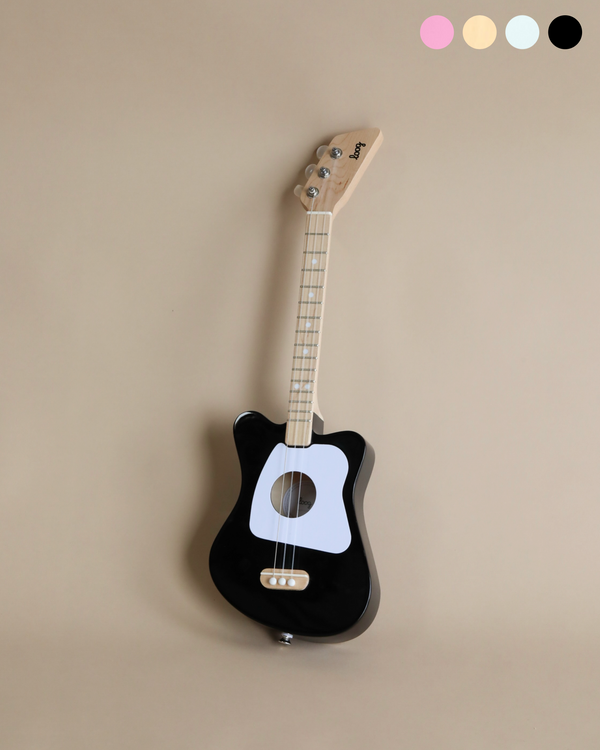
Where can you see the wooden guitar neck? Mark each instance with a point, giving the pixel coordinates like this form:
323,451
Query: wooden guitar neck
309,323
329,186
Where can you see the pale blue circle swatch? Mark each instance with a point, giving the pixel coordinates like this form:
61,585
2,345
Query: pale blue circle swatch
522,32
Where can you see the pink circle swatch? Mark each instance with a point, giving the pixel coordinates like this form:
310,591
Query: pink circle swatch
437,32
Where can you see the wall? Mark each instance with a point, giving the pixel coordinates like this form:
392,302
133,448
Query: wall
150,256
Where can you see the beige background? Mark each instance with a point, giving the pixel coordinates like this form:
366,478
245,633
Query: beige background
150,258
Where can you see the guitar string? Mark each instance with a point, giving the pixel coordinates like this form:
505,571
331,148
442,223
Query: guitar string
300,389
291,400
326,221
297,335
313,388
290,404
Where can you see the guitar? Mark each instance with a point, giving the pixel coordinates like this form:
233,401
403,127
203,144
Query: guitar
294,554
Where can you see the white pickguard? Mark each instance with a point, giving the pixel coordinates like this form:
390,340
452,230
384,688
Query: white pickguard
325,526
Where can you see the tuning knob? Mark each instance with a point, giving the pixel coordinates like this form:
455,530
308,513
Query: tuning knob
309,170
298,190
321,150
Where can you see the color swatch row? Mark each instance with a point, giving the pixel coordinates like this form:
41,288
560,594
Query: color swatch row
522,32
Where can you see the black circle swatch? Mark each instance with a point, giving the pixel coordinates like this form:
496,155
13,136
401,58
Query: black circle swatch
565,32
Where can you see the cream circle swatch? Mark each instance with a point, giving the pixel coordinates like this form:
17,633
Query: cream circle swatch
479,32
522,32
437,32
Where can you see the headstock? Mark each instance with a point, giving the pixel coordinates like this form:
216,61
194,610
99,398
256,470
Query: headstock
339,170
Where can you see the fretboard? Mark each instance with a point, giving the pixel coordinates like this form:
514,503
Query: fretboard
309,324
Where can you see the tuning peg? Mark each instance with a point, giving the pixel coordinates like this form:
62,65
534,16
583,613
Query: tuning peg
298,190
309,170
321,150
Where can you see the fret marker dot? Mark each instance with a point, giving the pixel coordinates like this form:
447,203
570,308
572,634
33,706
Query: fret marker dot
311,294
308,325
296,385
307,386
305,351
314,261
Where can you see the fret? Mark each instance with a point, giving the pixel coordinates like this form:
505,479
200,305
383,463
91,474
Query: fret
304,374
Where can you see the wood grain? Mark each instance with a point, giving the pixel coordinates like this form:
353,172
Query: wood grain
346,172
307,339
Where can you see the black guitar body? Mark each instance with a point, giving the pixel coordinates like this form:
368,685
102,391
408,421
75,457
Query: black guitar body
342,596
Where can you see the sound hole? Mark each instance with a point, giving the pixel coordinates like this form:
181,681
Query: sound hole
293,494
